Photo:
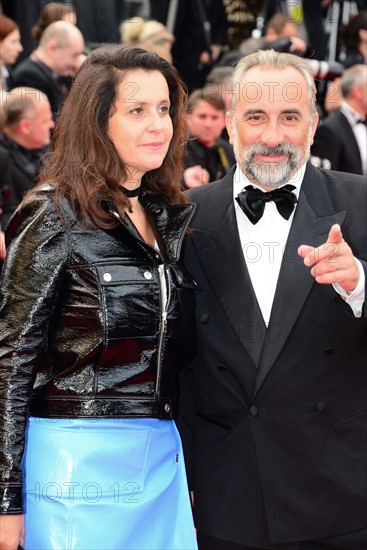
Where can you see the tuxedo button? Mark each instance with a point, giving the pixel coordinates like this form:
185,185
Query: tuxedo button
254,411
329,351
320,405
222,367
204,318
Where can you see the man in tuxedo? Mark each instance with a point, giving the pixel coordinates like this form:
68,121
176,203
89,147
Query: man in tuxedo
274,406
342,136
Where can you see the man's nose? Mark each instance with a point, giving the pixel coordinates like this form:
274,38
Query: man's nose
272,134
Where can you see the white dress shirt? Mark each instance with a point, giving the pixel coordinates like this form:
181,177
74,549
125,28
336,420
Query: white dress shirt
263,245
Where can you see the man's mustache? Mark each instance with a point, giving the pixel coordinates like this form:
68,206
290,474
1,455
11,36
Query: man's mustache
262,149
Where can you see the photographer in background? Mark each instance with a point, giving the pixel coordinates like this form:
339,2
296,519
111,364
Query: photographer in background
207,156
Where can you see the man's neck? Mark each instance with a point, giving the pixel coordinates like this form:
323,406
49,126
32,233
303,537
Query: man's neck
19,139
356,107
40,56
207,144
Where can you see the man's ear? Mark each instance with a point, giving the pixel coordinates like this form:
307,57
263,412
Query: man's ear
51,46
362,34
24,125
229,126
314,126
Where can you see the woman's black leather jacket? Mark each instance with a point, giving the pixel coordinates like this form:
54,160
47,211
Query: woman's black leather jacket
84,327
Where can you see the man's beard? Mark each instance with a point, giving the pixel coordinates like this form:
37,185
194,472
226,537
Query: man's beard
271,174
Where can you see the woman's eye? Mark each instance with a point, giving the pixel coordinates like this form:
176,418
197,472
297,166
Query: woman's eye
136,111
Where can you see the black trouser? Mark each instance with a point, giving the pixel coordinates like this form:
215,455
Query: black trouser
356,540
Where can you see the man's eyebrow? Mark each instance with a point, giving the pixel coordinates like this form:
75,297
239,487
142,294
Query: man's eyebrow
253,112
261,111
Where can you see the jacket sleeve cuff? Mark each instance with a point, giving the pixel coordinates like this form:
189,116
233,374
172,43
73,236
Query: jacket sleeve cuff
11,499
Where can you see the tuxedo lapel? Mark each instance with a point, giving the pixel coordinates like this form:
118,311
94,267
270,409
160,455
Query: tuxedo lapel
312,221
218,246
350,143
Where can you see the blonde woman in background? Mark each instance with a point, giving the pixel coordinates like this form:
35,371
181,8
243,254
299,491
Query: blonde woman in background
149,35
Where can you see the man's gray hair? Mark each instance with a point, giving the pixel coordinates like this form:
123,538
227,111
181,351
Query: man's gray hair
352,77
270,59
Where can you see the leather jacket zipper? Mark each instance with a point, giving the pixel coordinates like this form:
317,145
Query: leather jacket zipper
165,294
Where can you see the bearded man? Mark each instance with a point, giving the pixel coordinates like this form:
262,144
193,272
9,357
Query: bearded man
274,406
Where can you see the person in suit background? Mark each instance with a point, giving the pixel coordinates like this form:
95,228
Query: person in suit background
58,55
200,29
26,136
274,405
342,136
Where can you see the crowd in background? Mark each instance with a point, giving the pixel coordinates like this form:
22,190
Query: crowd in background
126,261
42,45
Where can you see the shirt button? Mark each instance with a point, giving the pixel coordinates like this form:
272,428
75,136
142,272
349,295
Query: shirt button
107,277
320,405
148,275
167,408
254,411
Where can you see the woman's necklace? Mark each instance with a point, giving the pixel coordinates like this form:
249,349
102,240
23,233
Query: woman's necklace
131,192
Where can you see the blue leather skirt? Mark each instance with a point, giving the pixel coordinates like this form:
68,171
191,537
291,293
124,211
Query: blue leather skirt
103,484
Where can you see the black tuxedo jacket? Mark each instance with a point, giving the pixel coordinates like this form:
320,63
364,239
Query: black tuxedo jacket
274,421
335,141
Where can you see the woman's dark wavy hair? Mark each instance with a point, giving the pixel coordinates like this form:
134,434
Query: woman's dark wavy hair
83,164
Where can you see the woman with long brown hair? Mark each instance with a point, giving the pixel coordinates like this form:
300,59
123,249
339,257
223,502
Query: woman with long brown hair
96,321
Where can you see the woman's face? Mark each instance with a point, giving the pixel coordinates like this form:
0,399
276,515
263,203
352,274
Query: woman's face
141,127
10,48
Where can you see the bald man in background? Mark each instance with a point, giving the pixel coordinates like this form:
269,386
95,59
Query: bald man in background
57,56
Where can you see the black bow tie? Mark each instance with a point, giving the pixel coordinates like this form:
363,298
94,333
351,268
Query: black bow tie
252,201
362,121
